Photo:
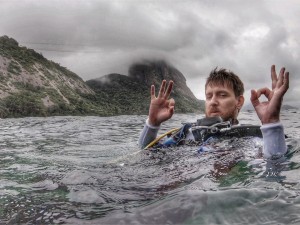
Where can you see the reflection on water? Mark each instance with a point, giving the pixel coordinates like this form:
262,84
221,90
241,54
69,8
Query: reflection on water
89,170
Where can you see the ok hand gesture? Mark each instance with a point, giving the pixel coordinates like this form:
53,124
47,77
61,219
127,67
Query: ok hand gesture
161,107
269,111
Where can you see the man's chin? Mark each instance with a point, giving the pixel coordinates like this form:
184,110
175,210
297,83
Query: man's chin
214,114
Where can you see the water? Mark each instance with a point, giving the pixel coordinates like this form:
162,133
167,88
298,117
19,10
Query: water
89,170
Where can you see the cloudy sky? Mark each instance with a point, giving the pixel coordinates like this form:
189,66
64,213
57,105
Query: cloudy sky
97,37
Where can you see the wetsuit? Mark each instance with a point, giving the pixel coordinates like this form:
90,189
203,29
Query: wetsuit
273,138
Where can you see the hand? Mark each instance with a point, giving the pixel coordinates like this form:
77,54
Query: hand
269,111
161,108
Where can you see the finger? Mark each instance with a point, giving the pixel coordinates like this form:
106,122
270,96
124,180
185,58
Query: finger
169,89
171,102
286,82
273,76
171,110
280,78
162,89
152,92
254,98
171,106
266,92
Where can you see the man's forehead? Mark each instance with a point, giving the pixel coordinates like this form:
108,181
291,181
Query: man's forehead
218,86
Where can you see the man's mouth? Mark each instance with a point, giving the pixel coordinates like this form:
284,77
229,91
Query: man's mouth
214,112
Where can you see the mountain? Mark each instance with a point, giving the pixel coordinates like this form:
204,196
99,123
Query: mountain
31,85
132,92
153,72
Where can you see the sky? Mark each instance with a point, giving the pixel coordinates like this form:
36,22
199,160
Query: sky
96,37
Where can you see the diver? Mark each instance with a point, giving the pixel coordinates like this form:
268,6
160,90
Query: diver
224,99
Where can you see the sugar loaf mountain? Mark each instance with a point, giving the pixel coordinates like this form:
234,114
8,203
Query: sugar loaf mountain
31,85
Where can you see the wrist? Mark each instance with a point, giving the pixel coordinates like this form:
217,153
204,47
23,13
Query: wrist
271,125
153,122
150,124
268,121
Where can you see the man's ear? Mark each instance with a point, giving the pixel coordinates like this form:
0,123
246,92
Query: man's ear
240,102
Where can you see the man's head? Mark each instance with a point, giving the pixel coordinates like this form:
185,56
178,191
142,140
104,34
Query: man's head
224,94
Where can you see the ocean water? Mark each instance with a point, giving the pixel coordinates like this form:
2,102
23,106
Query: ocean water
89,170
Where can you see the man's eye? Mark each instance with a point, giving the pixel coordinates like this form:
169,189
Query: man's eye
223,94
208,96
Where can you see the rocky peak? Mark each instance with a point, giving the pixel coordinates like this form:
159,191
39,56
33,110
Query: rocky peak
153,72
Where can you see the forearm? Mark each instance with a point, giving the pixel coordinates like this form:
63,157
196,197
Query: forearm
274,140
147,135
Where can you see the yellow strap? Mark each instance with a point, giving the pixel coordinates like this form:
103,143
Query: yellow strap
160,137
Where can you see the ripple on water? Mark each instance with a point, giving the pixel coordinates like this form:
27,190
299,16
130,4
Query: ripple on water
88,170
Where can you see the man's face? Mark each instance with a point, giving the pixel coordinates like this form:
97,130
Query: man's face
221,101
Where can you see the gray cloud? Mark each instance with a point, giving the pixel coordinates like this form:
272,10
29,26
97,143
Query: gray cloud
94,38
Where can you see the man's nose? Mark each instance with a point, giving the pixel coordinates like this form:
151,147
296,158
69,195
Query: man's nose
214,100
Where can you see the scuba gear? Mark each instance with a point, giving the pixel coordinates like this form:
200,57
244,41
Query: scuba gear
160,137
202,130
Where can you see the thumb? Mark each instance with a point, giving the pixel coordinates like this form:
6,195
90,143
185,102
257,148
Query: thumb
254,98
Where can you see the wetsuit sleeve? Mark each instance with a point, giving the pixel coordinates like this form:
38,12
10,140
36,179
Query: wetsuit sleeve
274,140
147,135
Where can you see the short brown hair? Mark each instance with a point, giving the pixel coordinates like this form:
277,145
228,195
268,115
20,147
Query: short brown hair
222,77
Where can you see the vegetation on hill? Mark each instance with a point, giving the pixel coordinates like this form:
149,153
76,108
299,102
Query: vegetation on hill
131,94
31,85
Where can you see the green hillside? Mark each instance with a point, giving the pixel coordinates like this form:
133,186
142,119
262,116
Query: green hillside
31,85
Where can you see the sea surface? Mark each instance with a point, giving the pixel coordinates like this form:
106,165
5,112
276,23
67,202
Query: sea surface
89,170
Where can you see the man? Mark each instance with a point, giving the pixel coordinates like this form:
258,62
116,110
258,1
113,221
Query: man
224,97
